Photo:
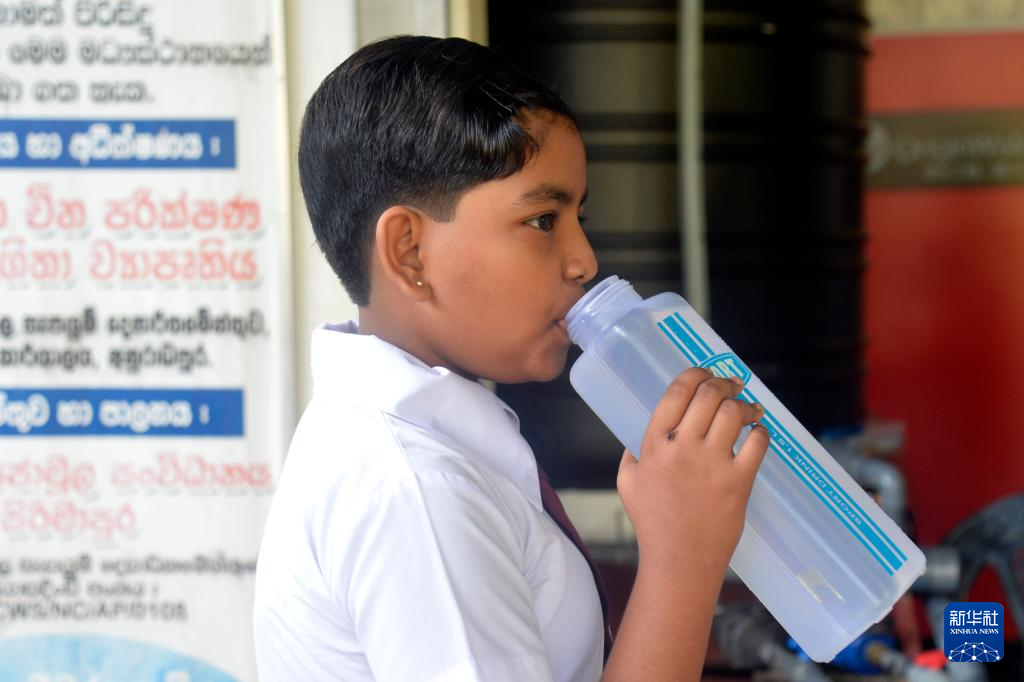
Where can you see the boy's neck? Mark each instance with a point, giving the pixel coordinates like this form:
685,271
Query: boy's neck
403,336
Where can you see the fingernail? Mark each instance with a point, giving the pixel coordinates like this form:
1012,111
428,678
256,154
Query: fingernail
736,380
760,407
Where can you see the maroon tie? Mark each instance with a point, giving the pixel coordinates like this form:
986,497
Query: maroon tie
553,506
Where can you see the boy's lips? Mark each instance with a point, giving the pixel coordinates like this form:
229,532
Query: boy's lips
563,326
561,322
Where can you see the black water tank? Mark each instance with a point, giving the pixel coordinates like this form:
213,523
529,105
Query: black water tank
784,129
783,154
614,63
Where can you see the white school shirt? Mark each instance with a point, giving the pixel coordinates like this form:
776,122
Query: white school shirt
407,539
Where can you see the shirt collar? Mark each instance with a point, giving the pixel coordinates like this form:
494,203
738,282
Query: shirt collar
365,370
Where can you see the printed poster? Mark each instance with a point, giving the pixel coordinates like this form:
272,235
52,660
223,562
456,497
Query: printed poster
144,334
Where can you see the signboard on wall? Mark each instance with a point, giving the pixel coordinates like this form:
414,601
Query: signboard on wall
946,149
144,399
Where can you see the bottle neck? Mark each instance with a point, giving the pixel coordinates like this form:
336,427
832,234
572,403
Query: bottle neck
606,302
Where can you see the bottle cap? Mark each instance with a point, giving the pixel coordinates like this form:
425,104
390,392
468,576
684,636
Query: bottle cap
606,302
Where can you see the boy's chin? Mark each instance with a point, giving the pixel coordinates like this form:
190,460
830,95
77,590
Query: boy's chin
539,367
548,368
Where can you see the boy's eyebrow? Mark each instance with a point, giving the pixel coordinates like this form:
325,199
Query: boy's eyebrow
549,192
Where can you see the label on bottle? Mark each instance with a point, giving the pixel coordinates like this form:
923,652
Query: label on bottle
792,453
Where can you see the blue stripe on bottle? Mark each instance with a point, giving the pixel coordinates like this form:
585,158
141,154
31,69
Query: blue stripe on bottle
675,342
690,341
693,333
835,512
818,482
697,351
774,434
749,397
849,500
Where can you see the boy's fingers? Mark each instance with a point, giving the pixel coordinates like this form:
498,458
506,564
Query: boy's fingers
753,452
729,421
670,409
706,402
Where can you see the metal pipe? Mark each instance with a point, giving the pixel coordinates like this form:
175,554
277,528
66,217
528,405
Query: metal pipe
749,637
790,666
893,661
941,571
878,475
690,123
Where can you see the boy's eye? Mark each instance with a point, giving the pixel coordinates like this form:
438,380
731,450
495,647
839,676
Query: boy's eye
544,223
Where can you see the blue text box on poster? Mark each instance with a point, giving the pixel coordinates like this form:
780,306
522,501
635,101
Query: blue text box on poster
117,143
191,412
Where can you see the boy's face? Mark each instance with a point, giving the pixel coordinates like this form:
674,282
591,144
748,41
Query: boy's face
507,268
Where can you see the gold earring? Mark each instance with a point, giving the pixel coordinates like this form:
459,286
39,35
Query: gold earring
419,283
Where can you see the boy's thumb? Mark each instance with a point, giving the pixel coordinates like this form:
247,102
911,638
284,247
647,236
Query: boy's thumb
627,461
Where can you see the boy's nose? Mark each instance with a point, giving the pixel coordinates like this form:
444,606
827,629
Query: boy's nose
581,263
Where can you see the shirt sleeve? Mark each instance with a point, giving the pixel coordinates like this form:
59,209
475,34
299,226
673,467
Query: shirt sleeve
431,575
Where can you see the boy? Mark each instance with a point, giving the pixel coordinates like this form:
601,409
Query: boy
412,536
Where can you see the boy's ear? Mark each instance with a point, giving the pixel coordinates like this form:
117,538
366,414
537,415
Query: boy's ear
397,241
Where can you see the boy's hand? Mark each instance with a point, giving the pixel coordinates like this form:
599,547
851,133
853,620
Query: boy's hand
687,494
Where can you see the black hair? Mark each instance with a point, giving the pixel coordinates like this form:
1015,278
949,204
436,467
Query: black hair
410,120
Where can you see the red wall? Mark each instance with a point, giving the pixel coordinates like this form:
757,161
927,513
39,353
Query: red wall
944,300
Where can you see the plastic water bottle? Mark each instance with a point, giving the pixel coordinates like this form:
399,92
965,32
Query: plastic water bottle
817,551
